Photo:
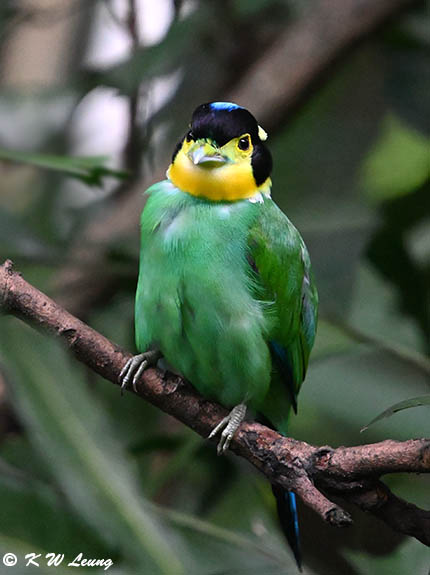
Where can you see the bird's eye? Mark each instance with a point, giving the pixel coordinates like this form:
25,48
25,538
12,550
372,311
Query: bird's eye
243,143
190,136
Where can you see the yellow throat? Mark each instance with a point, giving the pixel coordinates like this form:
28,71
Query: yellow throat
224,181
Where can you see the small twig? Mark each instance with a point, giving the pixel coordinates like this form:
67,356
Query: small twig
351,473
403,353
132,151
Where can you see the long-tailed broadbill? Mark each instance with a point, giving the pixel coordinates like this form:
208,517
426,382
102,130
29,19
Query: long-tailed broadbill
225,293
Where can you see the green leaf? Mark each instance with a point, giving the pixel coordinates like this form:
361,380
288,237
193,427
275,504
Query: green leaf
50,525
89,169
228,536
229,541
406,404
72,433
398,163
183,457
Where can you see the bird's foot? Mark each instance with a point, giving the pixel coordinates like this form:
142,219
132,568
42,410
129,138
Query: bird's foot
229,426
135,366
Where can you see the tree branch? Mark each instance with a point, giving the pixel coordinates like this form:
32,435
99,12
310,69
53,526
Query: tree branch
350,473
306,52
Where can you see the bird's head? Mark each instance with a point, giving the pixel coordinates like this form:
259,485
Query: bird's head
223,156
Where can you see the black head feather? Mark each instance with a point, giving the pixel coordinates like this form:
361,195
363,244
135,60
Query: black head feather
223,121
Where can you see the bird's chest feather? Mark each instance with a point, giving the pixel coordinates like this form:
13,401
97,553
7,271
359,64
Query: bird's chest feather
182,230
195,295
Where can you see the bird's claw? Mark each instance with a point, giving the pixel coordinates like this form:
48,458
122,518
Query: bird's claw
134,368
229,426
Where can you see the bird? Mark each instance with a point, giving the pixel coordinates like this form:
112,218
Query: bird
226,294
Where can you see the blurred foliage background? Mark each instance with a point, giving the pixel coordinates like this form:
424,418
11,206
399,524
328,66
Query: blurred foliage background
93,97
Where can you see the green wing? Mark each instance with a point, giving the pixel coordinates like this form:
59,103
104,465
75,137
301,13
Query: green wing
284,281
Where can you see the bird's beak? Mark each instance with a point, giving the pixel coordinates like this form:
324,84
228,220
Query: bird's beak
206,156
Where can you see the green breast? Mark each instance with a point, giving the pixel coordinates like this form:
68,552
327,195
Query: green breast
195,299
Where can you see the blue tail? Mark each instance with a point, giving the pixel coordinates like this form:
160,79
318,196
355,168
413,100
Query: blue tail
289,519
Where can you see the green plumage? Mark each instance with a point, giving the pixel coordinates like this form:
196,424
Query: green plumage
225,292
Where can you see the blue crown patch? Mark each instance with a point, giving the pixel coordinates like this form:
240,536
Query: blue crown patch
229,106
